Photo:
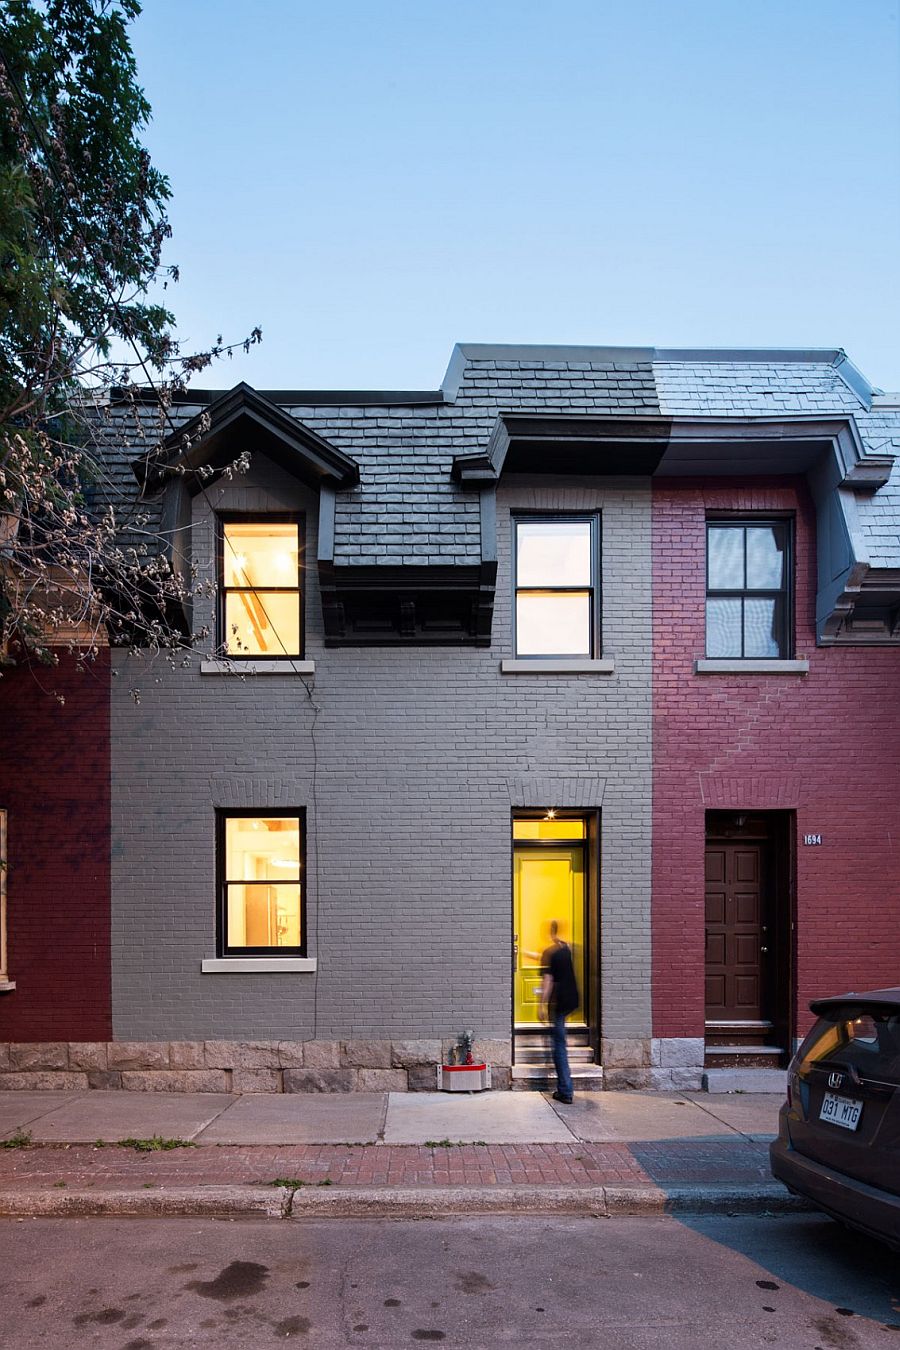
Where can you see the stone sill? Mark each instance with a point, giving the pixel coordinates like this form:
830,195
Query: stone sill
7,986
275,667
253,965
553,666
750,667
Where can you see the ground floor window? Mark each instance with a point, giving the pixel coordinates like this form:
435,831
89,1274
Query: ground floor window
262,893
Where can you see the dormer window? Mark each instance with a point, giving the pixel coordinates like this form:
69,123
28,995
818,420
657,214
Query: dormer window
261,593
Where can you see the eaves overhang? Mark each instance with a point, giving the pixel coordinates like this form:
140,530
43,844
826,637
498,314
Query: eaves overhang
856,603
239,421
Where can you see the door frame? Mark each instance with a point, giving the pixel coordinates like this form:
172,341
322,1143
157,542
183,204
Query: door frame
590,994
777,831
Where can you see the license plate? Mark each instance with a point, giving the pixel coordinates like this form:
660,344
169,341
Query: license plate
840,1111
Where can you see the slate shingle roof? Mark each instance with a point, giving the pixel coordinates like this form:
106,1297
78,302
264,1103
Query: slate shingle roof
406,508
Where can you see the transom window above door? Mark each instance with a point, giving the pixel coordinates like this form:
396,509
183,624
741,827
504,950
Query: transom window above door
261,599
748,589
555,578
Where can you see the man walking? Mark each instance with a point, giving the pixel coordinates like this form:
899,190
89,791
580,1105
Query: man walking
559,997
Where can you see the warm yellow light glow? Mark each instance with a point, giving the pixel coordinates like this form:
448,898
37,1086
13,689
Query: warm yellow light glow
551,814
262,877
549,829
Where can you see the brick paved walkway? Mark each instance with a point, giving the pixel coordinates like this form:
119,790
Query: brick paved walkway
579,1164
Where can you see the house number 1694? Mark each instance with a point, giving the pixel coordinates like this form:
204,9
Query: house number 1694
812,839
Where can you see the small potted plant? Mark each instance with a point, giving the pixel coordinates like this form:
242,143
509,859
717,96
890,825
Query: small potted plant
461,1073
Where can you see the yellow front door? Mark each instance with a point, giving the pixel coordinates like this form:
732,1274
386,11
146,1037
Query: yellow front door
548,883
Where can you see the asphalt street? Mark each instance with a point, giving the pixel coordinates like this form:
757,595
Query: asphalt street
793,1280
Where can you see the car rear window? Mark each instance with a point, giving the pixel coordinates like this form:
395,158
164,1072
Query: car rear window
868,1039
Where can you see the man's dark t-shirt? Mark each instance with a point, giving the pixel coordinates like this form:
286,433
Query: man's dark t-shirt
557,963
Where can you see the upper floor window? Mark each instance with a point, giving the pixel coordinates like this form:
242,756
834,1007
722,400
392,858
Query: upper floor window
748,589
261,890
555,570
260,607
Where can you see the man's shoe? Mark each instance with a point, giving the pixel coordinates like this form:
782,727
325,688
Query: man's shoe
561,1097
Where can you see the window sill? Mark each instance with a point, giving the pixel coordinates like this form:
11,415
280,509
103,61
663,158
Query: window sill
750,667
552,666
250,667
254,965
7,986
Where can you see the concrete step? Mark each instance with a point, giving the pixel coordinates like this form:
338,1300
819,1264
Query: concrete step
743,1057
745,1080
542,1078
578,1054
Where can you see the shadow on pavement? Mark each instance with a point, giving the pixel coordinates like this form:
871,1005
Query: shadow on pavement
855,1275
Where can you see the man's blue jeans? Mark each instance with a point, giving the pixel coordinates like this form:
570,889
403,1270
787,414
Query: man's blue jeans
561,1054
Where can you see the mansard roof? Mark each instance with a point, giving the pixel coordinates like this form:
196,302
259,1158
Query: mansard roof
411,474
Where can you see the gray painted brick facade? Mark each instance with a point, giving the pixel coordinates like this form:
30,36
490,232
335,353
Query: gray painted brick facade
408,762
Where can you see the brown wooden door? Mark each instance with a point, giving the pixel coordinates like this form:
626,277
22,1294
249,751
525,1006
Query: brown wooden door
735,933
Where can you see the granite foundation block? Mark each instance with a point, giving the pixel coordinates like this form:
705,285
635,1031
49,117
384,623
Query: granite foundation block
187,1055
48,1081
38,1055
414,1054
89,1055
320,1080
242,1055
366,1054
104,1080
321,1055
176,1080
257,1080
137,1055
381,1080
625,1053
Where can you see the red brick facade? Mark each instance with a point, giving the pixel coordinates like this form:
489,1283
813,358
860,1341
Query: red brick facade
825,746
55,788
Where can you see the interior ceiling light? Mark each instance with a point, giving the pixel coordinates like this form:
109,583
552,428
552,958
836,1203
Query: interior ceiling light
286,862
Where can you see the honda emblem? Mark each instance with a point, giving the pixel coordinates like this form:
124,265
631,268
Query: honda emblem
835,1080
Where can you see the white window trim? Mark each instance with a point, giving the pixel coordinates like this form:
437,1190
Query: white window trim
749,665
257,666
254,965
554,665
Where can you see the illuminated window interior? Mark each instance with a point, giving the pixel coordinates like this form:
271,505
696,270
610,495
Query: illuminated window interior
555,587
262,879
261,588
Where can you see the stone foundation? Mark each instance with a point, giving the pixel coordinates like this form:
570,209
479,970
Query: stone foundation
239,1066
660,1064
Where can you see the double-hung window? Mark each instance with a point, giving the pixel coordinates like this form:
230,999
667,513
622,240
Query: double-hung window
556,582
261,594
748,589
262,892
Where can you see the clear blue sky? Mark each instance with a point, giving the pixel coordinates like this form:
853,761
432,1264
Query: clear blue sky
373,180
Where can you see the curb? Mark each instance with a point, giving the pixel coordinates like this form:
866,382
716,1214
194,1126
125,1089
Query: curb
398,1202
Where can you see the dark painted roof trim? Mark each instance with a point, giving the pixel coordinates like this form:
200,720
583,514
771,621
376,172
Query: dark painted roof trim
199,442
297,398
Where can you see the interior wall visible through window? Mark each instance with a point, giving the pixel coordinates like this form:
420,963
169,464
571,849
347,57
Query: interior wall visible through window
261,869
555,579
261,608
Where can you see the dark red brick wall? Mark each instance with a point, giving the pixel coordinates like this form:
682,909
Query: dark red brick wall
55,785
825,745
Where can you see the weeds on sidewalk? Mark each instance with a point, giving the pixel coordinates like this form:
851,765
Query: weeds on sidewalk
294,1183
455,1143
21,1139
156,1144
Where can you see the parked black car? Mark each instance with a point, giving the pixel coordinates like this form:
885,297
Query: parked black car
839,1131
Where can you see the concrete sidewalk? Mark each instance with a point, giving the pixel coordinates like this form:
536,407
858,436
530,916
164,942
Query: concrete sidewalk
398,1153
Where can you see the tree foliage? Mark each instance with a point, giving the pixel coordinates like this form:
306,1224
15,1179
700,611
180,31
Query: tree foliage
83,222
